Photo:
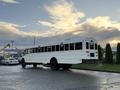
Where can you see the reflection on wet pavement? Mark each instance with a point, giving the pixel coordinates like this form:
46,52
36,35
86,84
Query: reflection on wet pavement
15,78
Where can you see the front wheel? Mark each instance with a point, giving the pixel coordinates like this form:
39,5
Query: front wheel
23,64
54,65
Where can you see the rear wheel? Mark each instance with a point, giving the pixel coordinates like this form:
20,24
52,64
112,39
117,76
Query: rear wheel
34,65
54,65
23,64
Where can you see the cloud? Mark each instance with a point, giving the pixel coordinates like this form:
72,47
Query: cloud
64,16
103,22
65,19
14,30
102,28
9,1
10,31
114,41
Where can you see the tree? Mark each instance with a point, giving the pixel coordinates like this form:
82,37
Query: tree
100,53
118,54
108,54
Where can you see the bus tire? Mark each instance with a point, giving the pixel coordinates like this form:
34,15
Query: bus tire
23,64
54,64
35,65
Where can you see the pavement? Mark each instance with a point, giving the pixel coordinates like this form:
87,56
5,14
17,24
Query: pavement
42,78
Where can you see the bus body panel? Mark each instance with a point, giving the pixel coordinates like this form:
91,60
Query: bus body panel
65,57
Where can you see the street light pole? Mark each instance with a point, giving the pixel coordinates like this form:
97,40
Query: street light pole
12,41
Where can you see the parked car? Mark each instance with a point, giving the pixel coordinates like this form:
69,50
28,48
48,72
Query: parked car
10,61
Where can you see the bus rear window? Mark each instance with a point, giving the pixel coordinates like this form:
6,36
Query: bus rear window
78,46
91,46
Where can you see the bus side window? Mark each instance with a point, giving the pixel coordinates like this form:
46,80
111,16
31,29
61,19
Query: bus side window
36,50
49,48
57,47
28,51
96,46
71,46
66,47
53,48
31,50
78,46
62,47
87,45
25,51
39,49
45,49
42,49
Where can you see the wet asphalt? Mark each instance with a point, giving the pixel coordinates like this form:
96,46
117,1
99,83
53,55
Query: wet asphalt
16,78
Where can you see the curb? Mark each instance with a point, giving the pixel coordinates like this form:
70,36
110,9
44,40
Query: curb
96,70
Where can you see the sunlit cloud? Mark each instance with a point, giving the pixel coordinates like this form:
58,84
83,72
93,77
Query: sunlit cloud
9,1
15,30
64,16
9,27
65,19
114,41
103,22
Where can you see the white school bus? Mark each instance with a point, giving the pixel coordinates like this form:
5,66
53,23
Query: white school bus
62,54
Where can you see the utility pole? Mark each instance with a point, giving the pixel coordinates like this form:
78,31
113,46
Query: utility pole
34,40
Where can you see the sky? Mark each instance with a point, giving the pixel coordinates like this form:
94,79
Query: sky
50,20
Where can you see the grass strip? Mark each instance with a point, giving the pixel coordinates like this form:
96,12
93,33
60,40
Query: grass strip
98,67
